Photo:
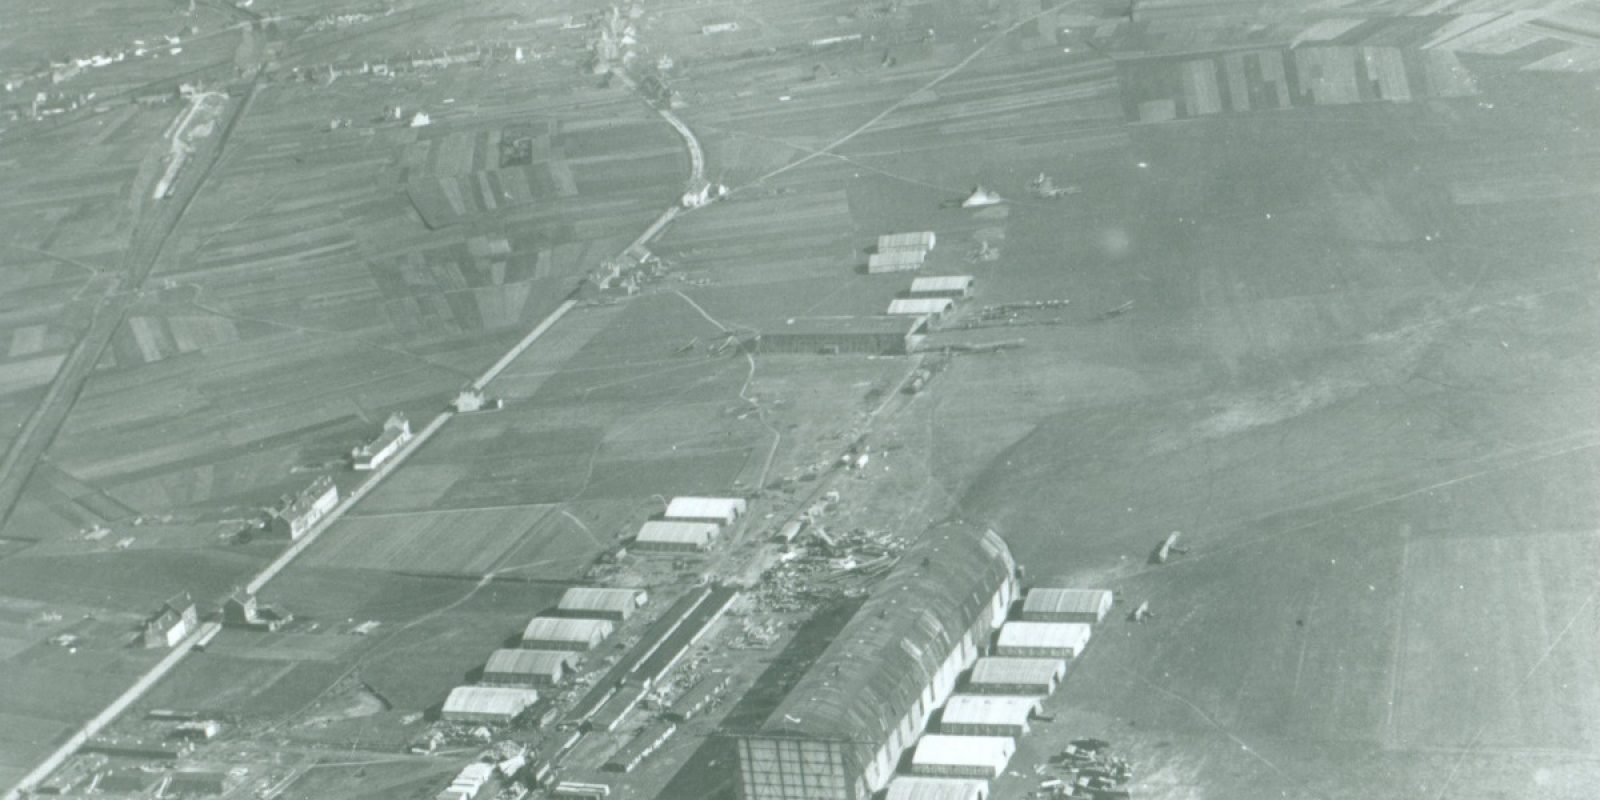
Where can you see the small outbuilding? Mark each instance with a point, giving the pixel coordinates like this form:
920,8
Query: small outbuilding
955,287
1048,639
562,633
676,536
517,667
487,704
601,602
720,510
916,787
930,307
962,756
1023,676
988,715
1066,605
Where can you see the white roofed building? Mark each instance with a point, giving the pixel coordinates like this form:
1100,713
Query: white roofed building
370,456
988,715
1049,639
916,787
561,633
493,704
721,510
931,307
518,667
601,602
1002,675
896,261
962,756
920,240
951,286
1066,605
676,536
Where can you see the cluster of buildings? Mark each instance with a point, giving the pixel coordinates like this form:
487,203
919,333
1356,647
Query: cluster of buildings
931,665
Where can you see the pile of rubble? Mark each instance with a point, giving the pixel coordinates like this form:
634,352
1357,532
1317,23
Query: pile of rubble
1088,769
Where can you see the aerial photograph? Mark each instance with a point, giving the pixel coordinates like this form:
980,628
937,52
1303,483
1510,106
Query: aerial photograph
800,399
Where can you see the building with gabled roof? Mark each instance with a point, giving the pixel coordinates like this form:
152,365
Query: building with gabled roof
962,756
1066,605
721,510
170,624
954,287
565,633
521,667
904,260
297,514
493,704
1011,675
876,335
371,455
988,714
1047,639
676,536
601,602
916,787
842,729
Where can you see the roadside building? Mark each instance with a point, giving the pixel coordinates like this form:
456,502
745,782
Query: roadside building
720,510
564,633
241,610
296,515
920,240
672,536
895,261
842,729
934,308
988,715
601,602
175,620
370,456
915,787
962,756
1066,605
955,287
519,667
882,335
1047,639
487,704
646,741
1002,675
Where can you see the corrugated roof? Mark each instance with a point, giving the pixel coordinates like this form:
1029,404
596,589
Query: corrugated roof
870,675
906,257
1066,601
705,507
941,283
599,598
914,787
1045,634
834,326
677,532
988,709
500,701
937,749
566,629
528,662
923,239
920,305
1002,670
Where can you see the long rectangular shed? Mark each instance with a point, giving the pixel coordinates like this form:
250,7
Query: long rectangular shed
720,510
675,536
1049,639
988,715
496,704
515,667
562,633
921,240
896,261
872,335
844,726
646,741
601,602
1066,605
917,787
1003,675
962,756
931,307
954,287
